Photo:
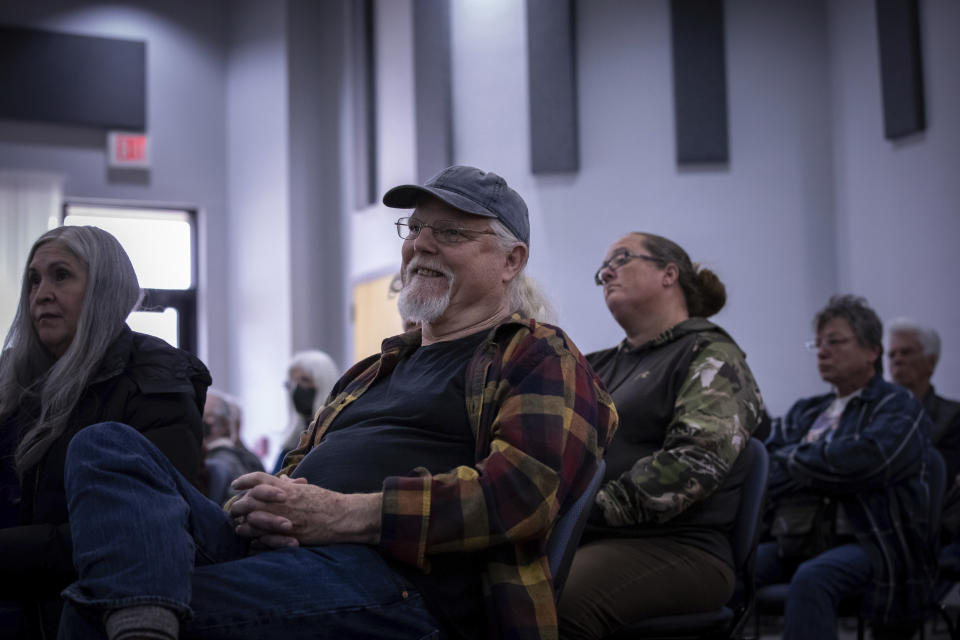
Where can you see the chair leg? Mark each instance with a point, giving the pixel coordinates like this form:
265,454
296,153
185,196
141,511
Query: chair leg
860,626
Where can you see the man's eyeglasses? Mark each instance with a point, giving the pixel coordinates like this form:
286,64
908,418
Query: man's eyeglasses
831,343
619,259
444,231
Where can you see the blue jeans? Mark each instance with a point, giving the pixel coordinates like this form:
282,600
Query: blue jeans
816,587
142,535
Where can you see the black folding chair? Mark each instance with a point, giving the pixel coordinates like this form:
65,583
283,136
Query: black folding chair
728,621
566,534
772,599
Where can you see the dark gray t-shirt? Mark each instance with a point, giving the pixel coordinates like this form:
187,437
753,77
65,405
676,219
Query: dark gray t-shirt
416,417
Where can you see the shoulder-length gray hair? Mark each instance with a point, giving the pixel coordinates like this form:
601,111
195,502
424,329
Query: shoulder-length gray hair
325,373
526,296
30,373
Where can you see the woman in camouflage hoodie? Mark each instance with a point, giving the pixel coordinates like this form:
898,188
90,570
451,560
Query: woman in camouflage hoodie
658,539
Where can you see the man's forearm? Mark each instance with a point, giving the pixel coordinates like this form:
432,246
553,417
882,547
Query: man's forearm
361,517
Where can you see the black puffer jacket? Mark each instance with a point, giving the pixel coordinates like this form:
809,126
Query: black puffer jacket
142,382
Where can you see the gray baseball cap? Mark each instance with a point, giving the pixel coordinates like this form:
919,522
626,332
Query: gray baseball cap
472,191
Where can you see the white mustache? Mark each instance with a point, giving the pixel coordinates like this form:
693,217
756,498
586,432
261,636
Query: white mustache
423,263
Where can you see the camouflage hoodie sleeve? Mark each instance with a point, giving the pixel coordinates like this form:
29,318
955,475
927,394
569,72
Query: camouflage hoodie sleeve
716,409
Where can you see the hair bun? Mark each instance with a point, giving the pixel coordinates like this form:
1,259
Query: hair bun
712,293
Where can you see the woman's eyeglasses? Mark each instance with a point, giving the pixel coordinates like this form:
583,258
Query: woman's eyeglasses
619,259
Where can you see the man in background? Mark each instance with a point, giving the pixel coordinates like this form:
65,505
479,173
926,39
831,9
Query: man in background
913,353
849,486
226,456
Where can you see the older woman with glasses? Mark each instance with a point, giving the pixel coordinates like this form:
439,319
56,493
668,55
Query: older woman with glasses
657,543
68,361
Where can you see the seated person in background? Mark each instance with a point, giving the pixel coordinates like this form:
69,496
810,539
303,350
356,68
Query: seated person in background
422,495
848,485
913,353
310,377
658,542
226,456
68,361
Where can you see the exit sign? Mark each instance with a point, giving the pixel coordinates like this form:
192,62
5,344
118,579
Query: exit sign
128,150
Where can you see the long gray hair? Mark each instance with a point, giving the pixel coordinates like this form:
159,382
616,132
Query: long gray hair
30,375
325,373
526,297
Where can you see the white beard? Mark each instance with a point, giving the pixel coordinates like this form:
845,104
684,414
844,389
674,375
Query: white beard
417,305
416,308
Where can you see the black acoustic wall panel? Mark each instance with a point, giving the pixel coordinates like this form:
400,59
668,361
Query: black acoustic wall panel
901,67
434,99
551,55
59,77
364,103
699,81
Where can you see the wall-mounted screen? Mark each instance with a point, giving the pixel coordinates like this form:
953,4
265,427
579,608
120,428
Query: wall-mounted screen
59,77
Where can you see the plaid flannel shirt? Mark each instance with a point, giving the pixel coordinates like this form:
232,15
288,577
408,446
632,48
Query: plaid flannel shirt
542,420
877,466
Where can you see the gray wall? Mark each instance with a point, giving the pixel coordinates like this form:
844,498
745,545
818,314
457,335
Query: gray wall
318,120
186,79
898,203
257,279
251,116
755,222
243,113
762,223
813,202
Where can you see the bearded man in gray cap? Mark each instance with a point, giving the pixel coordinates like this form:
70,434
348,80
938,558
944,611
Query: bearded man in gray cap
419,500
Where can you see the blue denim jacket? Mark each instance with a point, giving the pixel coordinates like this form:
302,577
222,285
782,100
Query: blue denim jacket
877,466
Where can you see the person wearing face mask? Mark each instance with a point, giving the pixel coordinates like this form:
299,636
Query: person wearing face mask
69,361
420,501
310,377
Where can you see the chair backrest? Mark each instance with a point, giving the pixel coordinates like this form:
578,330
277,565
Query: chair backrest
565,537
746,532
746,527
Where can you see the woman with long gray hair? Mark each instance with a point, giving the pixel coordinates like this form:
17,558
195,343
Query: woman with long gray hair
310,377
69,360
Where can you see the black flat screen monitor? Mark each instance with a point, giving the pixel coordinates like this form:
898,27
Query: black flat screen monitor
66,78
